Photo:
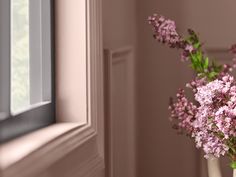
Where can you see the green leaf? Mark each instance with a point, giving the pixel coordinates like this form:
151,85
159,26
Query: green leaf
199,58
206,63
197,45
233,165
195,59
199,62
200,53
189,41
194,66
212,74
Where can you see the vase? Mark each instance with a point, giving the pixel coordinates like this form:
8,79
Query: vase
213,165
234,173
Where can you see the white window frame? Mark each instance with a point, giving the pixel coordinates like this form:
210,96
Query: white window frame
81,131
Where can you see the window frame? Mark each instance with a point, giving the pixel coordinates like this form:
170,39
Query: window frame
41,114
83,142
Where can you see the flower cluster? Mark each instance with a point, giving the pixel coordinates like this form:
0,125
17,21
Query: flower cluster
184,112
216,116
196,83
233,50
226,69
211,119
188,49
211,122
165,31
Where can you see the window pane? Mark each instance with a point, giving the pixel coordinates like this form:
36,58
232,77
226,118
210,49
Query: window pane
20,93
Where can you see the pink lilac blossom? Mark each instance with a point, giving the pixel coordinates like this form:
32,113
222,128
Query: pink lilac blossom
204,133
211,144
226,70
186,52
233,48
189,48
226,67
211,123
205,94
165,31
195,83
215,119
224,119
233,51
183,111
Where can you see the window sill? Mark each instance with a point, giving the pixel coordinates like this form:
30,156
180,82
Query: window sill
48,144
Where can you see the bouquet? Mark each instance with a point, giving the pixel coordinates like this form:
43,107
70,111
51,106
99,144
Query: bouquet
211,119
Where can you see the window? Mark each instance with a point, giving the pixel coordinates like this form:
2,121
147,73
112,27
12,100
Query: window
26,66
20,55
77,137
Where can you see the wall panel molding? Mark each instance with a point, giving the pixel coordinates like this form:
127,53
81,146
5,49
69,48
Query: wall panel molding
120,119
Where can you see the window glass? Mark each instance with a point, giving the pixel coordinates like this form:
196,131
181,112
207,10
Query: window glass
20,86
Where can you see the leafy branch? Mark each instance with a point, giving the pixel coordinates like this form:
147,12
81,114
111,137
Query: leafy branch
199,62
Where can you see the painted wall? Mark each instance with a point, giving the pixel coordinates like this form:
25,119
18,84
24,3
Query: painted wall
119,23
119,31
213,19
160,73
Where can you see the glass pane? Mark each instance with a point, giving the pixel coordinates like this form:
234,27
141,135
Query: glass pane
20,94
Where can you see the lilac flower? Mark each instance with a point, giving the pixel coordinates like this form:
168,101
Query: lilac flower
211,144
187,50
194,122
217,90
224,119
226,69
205,94
215,119
211,121
205,133
165,31
233,51
183,111
196,83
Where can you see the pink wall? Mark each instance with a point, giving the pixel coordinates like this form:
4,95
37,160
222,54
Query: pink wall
119,34
119,23
160,73
213,19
